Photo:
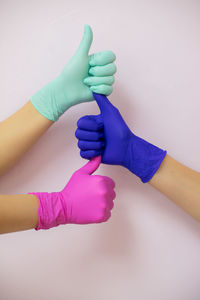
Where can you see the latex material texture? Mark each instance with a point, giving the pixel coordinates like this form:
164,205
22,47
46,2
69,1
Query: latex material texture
107,134
85,199
81,75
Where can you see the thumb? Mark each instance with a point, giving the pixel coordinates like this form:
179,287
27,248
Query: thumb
91,166
103,102
86,42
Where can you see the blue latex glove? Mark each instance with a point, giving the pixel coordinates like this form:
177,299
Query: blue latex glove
107,134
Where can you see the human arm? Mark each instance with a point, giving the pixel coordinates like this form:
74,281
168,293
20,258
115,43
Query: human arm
18,212
85,199
83,74
180,184
107,134
21,130
18,133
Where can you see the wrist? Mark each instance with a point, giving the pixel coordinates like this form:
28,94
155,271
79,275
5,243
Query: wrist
51,101
51,210
143,158
45,103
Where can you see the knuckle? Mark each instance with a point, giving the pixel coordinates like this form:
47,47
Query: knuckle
96,70
112,205
111,80
93,70
79,144
96,135
114,68
92,153
110,90
103,191
113,195
82,154
100,218
104,206
77,133
79,122
113,54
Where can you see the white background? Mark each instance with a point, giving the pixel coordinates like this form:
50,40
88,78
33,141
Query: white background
150,249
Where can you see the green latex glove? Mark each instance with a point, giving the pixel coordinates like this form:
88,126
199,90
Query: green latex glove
82,75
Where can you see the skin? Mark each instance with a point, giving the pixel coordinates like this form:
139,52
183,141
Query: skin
18,133
19,212
180,184
21,130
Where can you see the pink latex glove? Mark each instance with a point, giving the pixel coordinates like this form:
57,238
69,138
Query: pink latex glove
85,199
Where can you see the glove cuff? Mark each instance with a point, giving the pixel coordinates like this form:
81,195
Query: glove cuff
51,211
143,158
45,101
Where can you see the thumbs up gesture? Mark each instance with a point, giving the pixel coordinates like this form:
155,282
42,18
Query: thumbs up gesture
108,135
105,134
85,199
81,76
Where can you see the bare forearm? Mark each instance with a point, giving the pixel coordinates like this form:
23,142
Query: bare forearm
180,184
19,132
18,212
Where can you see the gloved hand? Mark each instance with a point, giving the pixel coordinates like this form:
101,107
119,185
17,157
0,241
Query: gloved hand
85,199
108,135
82,75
